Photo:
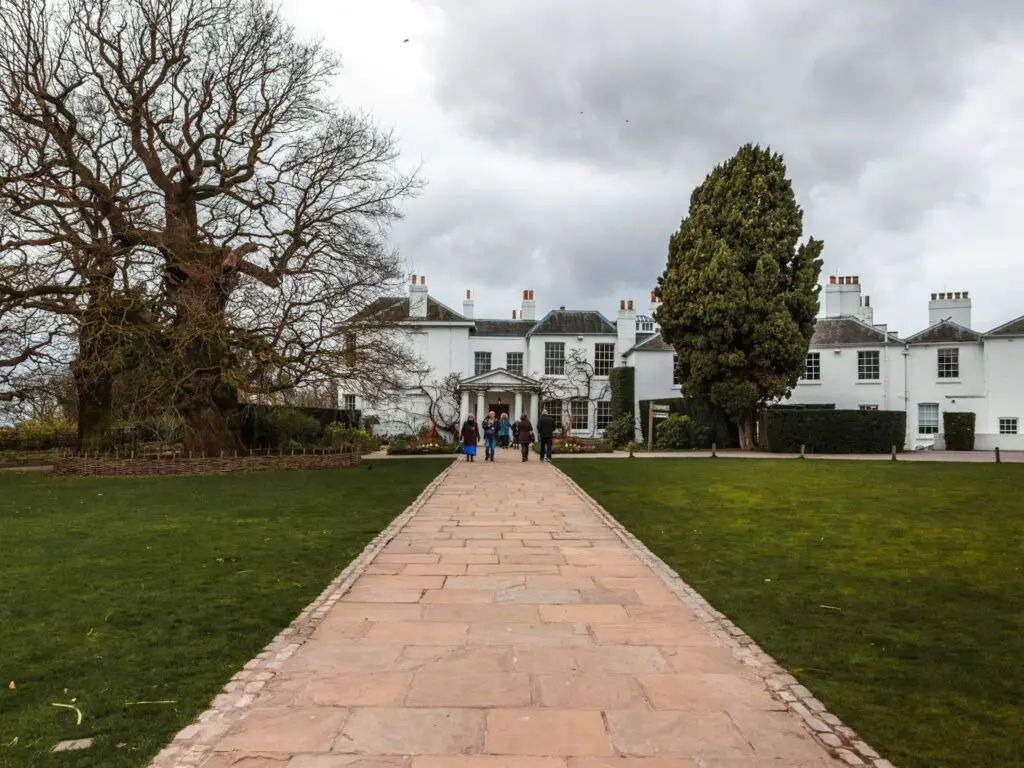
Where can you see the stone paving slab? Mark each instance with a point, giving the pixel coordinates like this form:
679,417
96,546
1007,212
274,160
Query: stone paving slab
513,629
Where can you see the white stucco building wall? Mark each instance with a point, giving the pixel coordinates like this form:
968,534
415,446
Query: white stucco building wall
853,362
948,366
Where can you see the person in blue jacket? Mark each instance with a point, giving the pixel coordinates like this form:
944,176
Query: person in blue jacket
504,430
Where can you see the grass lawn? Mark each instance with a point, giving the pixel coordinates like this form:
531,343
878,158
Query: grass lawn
149,590
924,562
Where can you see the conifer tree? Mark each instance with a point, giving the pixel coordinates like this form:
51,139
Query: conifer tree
740,290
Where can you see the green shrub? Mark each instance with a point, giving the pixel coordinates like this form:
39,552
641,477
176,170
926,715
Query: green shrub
681,433
958,428
721,431
39,435
257,423
784,430
621,430
290,427
337,435
623,385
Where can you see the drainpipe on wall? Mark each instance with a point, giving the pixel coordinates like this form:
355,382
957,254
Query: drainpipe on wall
906,393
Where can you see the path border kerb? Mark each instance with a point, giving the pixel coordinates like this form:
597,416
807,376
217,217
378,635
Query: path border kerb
195,742
841,741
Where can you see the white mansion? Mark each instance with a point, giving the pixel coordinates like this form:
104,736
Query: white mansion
561,361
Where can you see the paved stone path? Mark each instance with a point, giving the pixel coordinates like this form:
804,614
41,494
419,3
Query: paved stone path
508,626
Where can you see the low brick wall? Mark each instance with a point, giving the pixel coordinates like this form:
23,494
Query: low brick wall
110,466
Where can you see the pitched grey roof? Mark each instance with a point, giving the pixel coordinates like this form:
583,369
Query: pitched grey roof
502,327
653,343
575,322
829,331
944,331
396,308
1012,328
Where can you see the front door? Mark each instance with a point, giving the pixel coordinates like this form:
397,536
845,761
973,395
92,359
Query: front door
500,408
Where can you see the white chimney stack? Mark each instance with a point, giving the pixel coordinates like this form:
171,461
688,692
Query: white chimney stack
418,298
654,303
954,306
867,312
842,297
625,324
529,310
467,305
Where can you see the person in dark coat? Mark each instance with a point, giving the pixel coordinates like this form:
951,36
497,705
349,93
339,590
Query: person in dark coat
545,434
469,437
524,435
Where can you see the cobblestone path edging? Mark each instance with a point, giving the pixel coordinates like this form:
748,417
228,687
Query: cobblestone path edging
841,741
194,743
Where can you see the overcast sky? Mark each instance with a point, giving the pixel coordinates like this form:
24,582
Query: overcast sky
560,139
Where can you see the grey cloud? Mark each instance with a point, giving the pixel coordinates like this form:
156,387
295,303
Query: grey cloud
570,252
834,86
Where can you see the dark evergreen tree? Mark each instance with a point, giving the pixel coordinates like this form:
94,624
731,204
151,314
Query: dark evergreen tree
740,291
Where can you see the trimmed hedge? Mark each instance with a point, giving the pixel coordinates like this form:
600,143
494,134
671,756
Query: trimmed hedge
784,430
958,428
257,424
623,385
720,430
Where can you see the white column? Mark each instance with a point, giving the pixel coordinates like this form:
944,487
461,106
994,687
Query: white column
534,408
480,406
464,407
519,408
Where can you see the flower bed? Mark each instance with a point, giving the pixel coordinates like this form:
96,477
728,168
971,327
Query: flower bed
113,465
428,448
576,445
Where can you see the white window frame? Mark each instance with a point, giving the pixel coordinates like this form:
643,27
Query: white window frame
480,358
927,427
602,413
348,402
950,367
604,358
515,367
1009,425
579,412
554,358
675,370
555,411
812,372
864,369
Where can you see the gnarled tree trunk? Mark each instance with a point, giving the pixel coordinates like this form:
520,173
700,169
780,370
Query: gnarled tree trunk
747,432
95,411
199,289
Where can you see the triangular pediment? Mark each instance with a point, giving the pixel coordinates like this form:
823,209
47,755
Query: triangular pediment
499,377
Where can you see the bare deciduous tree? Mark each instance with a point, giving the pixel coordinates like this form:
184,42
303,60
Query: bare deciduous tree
199,134
580,382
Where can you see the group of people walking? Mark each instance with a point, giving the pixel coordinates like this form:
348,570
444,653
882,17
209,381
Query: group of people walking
501,432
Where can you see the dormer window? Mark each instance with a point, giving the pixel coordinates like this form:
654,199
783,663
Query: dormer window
644,324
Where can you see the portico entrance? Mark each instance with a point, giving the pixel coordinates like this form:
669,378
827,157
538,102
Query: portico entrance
500,391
